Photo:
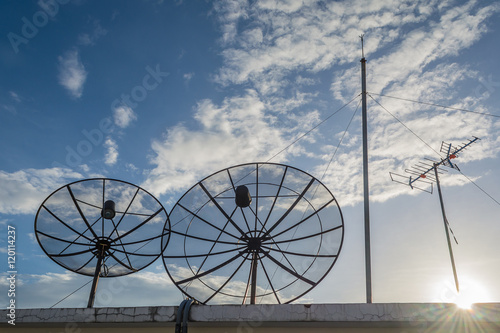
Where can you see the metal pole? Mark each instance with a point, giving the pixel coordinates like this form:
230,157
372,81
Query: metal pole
365,185
94,283
101,248
445,221
253,289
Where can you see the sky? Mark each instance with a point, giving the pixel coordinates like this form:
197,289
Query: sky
162,94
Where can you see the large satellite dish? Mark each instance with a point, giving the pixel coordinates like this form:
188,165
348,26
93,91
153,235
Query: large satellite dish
253,233
101,227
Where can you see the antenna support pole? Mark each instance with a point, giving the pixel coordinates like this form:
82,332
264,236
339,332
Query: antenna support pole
445,221
365,184
94,283
100,256
253,290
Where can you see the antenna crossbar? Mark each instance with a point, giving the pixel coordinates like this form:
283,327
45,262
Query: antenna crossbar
451,153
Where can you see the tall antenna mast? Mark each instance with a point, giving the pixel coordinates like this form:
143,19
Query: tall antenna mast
427,173
365,179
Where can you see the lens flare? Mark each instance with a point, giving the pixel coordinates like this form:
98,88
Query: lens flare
470,292
465,301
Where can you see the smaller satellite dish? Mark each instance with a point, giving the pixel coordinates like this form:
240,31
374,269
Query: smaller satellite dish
102,228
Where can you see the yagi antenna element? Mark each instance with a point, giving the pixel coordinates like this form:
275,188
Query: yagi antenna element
423,172
428,173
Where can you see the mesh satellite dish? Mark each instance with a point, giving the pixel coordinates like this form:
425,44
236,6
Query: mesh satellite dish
253,233
102,228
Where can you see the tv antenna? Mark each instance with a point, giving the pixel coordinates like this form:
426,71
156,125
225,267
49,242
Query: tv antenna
253,233
101,227
424,174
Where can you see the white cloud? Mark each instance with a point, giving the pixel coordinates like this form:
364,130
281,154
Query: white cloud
238,131
305,36
306,80
22,192
72,74
15,96
32,238
123,116
188,76
38,290
287,6
85,167
131,167
10,108
50,278
230,12
275,44
393,148
313,37
457,29
111,151
87,39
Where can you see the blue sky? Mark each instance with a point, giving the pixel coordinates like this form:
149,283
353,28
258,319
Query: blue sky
164,93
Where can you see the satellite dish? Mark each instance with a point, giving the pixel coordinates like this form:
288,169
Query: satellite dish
102,228
253,233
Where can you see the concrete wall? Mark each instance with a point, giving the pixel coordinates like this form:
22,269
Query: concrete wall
290,318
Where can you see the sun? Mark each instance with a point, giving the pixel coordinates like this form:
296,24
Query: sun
470,292
465,300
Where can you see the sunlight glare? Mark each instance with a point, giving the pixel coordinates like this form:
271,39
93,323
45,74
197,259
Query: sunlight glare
465,300
470,292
